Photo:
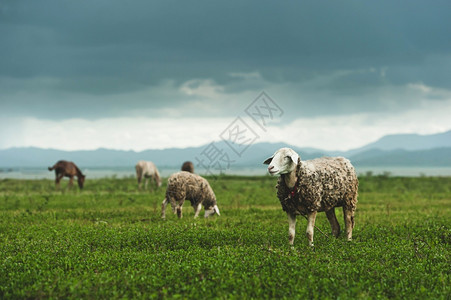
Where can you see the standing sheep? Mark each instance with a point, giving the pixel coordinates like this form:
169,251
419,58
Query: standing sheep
184,185
188,167
308,187
147,169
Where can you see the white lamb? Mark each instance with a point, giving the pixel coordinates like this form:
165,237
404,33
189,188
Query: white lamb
185,185
308,187
147,169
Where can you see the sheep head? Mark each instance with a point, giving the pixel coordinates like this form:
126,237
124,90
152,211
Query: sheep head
283,161
211,211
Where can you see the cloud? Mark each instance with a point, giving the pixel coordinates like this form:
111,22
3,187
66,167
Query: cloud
143,43
80,63
206,88
115,133
340,132
355,130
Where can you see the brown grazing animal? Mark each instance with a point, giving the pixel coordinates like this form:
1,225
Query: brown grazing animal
69,169
188,167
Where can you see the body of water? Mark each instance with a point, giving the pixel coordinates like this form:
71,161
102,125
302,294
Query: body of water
121,172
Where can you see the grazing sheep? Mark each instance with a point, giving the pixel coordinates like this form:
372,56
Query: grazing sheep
184,185
308,187
188,167
69,169
147,169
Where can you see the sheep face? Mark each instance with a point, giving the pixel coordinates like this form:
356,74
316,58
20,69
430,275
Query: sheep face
211,211
284,161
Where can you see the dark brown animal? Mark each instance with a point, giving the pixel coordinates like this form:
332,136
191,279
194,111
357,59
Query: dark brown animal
188,167
69,169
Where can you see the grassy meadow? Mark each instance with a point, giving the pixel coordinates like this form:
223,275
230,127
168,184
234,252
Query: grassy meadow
109,242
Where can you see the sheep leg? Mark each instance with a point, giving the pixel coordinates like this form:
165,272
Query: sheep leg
154,179
150,179
349,221
139,180
197,210
291,227
333,222
310,227
179,208
163,208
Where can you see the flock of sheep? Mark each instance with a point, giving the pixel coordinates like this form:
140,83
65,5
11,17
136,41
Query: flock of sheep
303,188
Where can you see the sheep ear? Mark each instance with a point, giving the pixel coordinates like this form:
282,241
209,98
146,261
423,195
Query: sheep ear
294,157
268,160
216,209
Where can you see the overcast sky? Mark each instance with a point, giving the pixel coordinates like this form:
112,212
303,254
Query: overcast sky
157,74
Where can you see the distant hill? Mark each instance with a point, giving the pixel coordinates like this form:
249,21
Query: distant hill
439,157
392,150
409,142
173,157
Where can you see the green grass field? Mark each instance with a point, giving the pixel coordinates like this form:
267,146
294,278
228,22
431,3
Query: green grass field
109,241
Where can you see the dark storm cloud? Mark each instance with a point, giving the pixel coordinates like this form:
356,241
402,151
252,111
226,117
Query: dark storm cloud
70,54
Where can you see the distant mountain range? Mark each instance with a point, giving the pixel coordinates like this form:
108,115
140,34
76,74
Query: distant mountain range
391,150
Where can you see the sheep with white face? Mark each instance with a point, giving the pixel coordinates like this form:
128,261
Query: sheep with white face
188,186
308,187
